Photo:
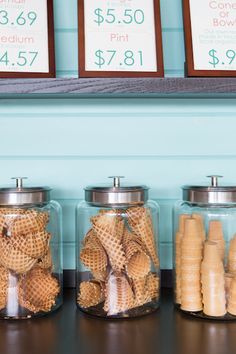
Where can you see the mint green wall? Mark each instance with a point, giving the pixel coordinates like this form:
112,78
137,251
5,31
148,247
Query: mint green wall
163,143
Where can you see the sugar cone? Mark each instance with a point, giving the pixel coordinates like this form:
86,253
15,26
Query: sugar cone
38,290
232,256
119,295
13,259
216,235
144,229
153,285
200,221
141,292
29,222
138,265
33,245
46,261
107,229
90,294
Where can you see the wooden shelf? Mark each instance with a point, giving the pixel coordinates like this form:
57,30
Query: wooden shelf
94,87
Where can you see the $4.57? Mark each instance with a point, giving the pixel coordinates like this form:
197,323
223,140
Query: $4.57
128,58
22,59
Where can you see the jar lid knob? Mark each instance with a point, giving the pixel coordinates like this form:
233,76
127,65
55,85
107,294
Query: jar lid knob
116,180
19,181
214,180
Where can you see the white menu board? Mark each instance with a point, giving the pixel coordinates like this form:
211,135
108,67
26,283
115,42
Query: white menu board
24,37
213,25
120,36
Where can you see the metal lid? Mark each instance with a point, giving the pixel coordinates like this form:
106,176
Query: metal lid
23,196
213,194
116,195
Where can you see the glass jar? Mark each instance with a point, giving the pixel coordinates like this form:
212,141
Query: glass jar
30,252
118,269
205,251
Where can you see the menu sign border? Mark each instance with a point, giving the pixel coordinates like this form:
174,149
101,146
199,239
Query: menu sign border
120,74
190,70
51,53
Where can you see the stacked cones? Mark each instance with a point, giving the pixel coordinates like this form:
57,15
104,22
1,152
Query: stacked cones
25,255
191,257
119,261
38,290
232,298
178,240
232,256
216,235
3,287
213,283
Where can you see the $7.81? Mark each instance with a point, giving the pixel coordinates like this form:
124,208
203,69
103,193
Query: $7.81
23,59
215,60
107,57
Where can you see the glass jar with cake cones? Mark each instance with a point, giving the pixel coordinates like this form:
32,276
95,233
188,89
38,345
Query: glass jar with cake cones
205,251
30,252
118,268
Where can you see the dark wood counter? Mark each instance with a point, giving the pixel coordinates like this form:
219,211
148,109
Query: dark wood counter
68,331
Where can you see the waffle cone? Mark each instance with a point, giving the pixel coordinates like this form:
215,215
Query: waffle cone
2,224
141,292
94,258
29,222
46,261
144,229
153,285
13,259
199,219
90,294
108,232
33,245
119,295
100,275
134,215
38,290
138,266
216,235
4,274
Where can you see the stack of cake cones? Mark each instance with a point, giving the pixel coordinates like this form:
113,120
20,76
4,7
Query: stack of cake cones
228,280
216,235
140,222
199,218
232,298
119,295
232,256
109,232
91,293
178,240
191,257
37,290
213,282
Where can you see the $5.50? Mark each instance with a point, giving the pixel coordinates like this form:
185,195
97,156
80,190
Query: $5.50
128,58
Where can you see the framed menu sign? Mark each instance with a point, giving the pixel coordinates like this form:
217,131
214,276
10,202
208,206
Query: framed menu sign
26,38
120,38
210,37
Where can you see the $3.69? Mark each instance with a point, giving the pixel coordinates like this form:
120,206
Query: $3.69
22,59
215,59
107,57
20,20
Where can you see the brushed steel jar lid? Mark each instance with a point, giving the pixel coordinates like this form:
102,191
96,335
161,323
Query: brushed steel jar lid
24,196
116,195
213,194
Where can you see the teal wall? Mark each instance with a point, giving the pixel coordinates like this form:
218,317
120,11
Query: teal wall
163,143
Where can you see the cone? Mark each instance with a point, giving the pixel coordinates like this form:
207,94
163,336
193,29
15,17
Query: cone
141,292
12,258
90,294
33,245
153,286
138,266
100,275
192,230
232,298
134,215
94,258
143,228
30,222
232,256
12,211
108,230
46,261
216,235
199,219
38,290
2,224
119,295
3,287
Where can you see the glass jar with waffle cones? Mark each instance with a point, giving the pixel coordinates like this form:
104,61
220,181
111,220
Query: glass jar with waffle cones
118,268
204,237
30,252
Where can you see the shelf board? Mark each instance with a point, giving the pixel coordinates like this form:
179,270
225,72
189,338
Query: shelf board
123,87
